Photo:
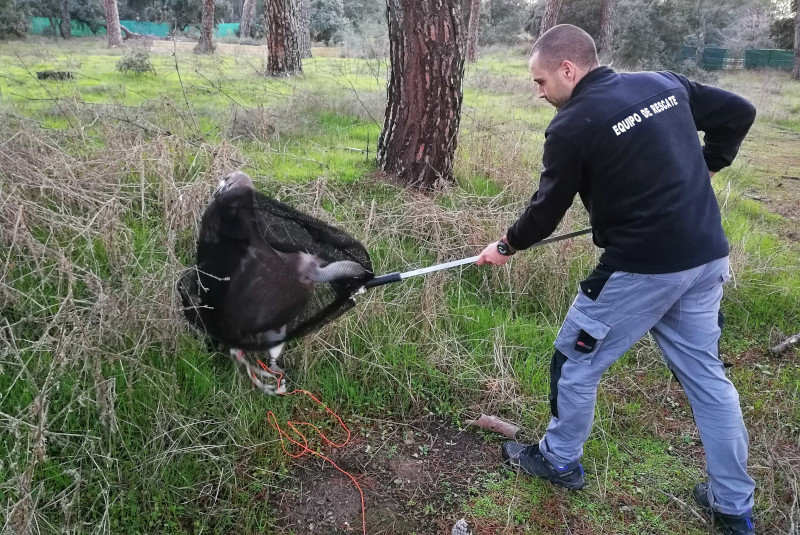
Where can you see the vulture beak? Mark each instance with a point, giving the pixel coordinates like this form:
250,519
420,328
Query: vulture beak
220,187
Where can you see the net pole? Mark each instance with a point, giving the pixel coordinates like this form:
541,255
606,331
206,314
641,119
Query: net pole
396,277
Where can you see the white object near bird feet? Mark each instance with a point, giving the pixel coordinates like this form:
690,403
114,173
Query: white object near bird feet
461,528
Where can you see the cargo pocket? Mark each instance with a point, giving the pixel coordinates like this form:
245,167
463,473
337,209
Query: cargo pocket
581,336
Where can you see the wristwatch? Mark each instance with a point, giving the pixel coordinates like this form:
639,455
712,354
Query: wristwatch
504,248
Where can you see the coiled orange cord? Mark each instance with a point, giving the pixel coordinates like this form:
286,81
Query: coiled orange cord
303,446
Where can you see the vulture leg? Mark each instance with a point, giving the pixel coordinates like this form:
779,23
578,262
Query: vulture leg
256,374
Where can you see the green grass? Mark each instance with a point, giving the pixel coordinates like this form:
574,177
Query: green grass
149,432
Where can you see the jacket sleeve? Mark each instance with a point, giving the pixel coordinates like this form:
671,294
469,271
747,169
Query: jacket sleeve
559,182
724,117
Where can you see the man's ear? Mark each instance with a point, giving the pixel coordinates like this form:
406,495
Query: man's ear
569,70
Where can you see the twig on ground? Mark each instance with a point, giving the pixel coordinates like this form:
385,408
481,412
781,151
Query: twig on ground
493,423
786,344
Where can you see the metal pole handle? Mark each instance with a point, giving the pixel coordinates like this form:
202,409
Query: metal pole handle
397,276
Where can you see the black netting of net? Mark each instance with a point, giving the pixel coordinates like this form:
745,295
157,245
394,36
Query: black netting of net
267,273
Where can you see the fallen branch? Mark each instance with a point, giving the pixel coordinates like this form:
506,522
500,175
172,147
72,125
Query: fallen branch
493,423
129,34
786,344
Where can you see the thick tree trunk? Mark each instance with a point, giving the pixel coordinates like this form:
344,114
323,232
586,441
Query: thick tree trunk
420,127
474,27
112,23
305,28
66,23
550,17
206,43
248,12
796,70
283,43
607,16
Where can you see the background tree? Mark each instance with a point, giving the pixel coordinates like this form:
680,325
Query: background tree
206,43
420,127
782,33
327,20
796,69
305,27
112,23
13,21
503,22
607,13
246,20
283,44
750,28
550,17
700,43
66,24
473,30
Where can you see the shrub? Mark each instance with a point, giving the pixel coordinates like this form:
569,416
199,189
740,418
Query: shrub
136,61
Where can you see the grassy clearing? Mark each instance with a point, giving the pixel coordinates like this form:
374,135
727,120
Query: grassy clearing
114,418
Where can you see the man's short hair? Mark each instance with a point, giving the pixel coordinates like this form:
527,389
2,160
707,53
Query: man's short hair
565,42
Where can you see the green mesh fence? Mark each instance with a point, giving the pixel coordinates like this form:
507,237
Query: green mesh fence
41,25
159,29
769,59
714,59
229,28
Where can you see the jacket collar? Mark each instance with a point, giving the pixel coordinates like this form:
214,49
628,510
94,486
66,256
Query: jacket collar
591,76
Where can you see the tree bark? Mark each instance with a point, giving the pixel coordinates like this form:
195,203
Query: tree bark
701,34
305,28
66,23
420,127
112,23
248,11
550,17
206,43
607,16
474,28
283,43
796,70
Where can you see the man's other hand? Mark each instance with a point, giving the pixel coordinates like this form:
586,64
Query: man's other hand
491,257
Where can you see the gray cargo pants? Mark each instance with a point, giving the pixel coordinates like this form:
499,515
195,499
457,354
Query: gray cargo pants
680,310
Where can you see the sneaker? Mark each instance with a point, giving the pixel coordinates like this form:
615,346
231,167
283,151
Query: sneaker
529,459
728,524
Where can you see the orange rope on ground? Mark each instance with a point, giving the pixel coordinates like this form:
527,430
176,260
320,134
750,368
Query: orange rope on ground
304,445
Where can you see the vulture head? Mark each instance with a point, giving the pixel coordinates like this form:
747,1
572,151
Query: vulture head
232,181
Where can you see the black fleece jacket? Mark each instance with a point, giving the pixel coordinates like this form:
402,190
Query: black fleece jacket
627,143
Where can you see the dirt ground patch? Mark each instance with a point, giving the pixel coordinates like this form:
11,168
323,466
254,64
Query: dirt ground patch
414,478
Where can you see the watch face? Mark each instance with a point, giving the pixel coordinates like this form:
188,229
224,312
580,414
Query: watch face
502,248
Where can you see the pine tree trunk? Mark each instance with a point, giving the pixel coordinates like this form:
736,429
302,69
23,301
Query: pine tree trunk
701,34
420,127
607,15
112,23
66,23
283,43
796,70
550,15
248,9
474,27
305,28
206,43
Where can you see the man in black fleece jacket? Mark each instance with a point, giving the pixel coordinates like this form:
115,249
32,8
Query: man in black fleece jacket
628,145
